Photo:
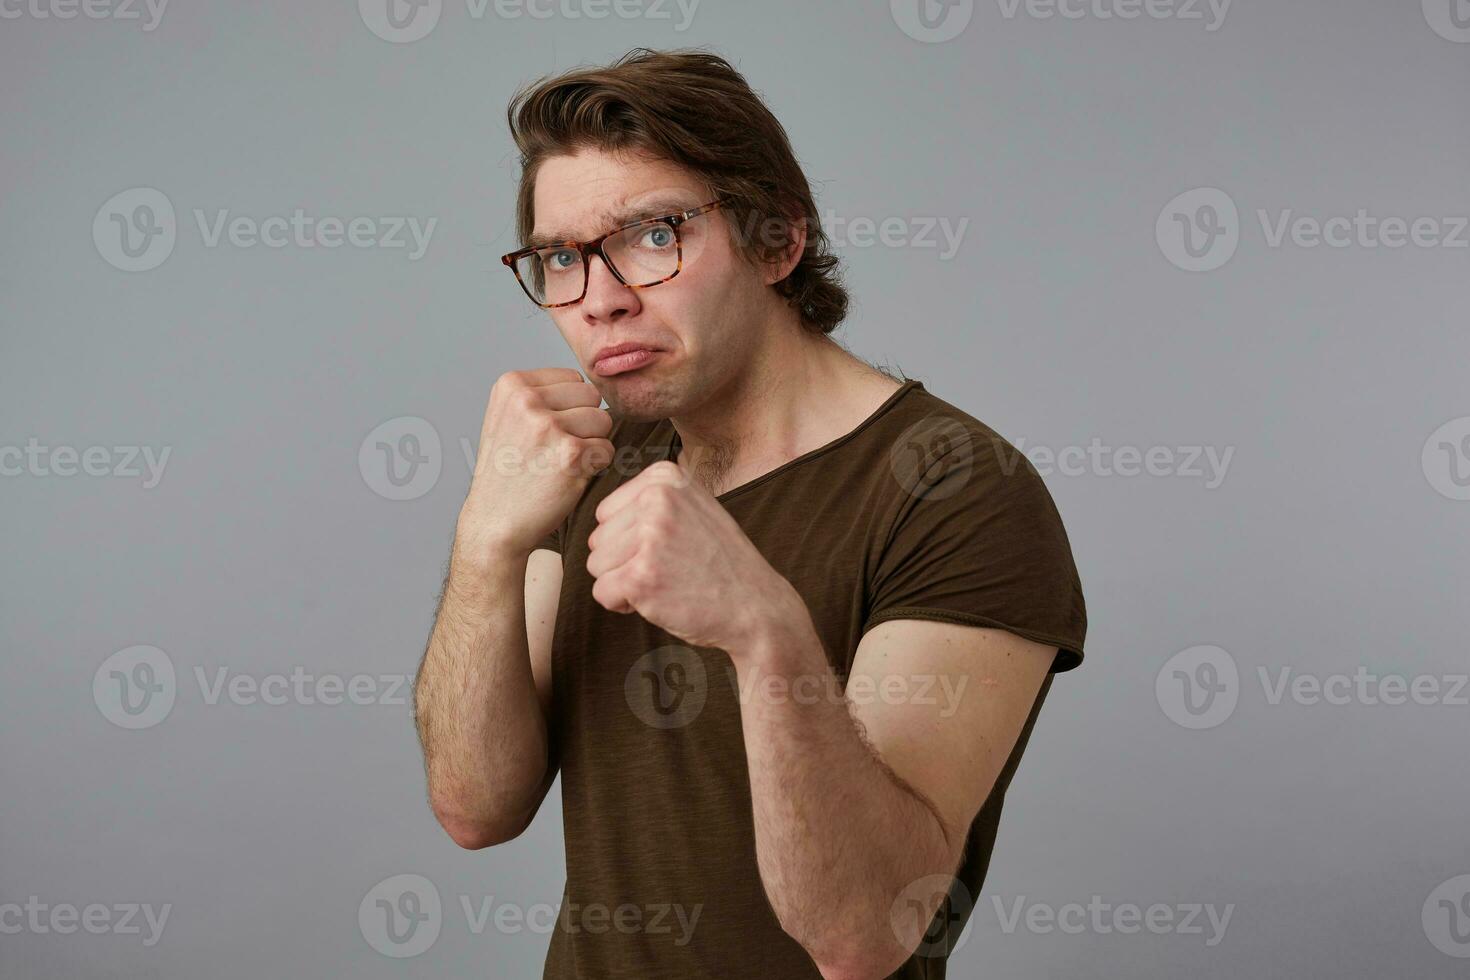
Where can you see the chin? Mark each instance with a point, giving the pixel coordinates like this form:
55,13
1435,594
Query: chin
640,400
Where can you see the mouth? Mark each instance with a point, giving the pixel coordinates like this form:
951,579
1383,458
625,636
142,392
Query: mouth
622,358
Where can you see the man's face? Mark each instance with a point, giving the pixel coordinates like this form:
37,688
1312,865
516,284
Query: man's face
699,325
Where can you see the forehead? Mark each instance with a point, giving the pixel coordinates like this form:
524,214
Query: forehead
580,196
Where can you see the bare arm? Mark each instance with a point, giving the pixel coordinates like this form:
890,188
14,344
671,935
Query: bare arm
869,795
483,696
483,693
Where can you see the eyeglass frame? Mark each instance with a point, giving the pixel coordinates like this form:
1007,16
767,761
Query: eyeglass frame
594,247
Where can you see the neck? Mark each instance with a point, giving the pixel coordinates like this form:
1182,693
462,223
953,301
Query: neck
800,391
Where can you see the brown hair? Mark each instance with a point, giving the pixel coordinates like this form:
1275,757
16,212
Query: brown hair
692,108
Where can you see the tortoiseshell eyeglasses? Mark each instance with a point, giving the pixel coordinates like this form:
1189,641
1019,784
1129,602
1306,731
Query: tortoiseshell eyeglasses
641,254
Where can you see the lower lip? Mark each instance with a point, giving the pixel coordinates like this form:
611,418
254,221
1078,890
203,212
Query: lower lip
621,363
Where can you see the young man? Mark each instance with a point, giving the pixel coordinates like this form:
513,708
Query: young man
782,622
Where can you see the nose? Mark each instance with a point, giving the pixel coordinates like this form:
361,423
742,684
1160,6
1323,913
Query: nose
607,299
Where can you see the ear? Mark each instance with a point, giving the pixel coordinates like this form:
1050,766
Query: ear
780,267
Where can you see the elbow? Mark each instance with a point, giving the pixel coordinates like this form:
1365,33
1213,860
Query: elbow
859,966
859,959
843,949
475,837
475,833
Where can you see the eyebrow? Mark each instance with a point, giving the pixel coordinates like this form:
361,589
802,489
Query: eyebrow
616,218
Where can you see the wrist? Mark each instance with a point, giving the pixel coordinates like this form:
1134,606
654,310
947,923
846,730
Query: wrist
781,636
479,530
481,555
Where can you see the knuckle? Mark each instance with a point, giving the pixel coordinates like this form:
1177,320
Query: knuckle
525,399
657,512
595,454
641,572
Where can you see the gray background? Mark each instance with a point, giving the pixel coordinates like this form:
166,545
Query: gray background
267,546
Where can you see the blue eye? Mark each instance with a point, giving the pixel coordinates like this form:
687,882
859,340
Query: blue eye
659,236
562,259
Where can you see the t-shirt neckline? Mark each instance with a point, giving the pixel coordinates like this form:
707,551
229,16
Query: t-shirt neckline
675,444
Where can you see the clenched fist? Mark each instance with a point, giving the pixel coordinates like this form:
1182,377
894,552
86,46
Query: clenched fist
667,550
543,440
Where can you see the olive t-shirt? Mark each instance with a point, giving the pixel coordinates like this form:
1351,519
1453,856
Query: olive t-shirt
921,512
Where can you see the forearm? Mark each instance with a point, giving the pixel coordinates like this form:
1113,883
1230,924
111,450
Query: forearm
479,720
838,836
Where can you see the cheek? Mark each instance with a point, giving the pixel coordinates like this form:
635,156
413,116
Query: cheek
715,291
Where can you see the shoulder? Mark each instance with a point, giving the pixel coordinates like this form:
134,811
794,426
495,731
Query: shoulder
971,529
938,450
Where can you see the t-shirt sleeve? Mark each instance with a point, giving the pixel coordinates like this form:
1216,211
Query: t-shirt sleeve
978,541
552,542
